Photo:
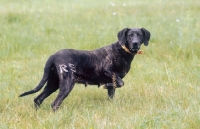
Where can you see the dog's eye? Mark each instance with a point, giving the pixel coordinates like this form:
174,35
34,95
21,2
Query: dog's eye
130,35
139,35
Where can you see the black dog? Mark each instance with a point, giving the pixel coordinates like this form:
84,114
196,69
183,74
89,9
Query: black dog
107,65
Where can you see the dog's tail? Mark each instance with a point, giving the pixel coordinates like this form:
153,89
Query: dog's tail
47,70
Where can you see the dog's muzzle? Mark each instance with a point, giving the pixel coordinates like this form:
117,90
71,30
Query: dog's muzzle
134,47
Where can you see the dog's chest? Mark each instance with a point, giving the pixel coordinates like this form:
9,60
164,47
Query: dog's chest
121,66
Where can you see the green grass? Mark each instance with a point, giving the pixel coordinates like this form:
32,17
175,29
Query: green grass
162,89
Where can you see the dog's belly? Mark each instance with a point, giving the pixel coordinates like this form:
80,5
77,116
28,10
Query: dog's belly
92,81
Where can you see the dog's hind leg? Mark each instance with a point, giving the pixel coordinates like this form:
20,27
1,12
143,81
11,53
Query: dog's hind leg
52,86
66,84
65,88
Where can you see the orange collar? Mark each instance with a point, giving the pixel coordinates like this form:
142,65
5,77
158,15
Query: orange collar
127,50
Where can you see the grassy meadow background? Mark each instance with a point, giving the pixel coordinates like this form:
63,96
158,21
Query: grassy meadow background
162,89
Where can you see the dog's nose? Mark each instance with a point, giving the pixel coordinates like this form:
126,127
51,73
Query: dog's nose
135,44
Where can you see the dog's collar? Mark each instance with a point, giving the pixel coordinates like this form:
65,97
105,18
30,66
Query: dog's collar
127,50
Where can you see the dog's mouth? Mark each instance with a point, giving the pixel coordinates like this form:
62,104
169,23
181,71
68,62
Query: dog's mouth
131,50
134,50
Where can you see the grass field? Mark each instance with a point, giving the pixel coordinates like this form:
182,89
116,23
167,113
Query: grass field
162,89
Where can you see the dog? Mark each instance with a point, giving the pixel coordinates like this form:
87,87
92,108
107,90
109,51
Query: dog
105,66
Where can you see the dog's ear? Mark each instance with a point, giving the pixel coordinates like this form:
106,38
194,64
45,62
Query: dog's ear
122,36
146,36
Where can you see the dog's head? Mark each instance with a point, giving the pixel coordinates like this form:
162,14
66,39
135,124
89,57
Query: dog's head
133,38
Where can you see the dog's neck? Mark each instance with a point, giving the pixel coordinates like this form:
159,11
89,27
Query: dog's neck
126,49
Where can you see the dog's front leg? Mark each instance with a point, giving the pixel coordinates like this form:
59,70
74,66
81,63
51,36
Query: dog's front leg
116,80
110,89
